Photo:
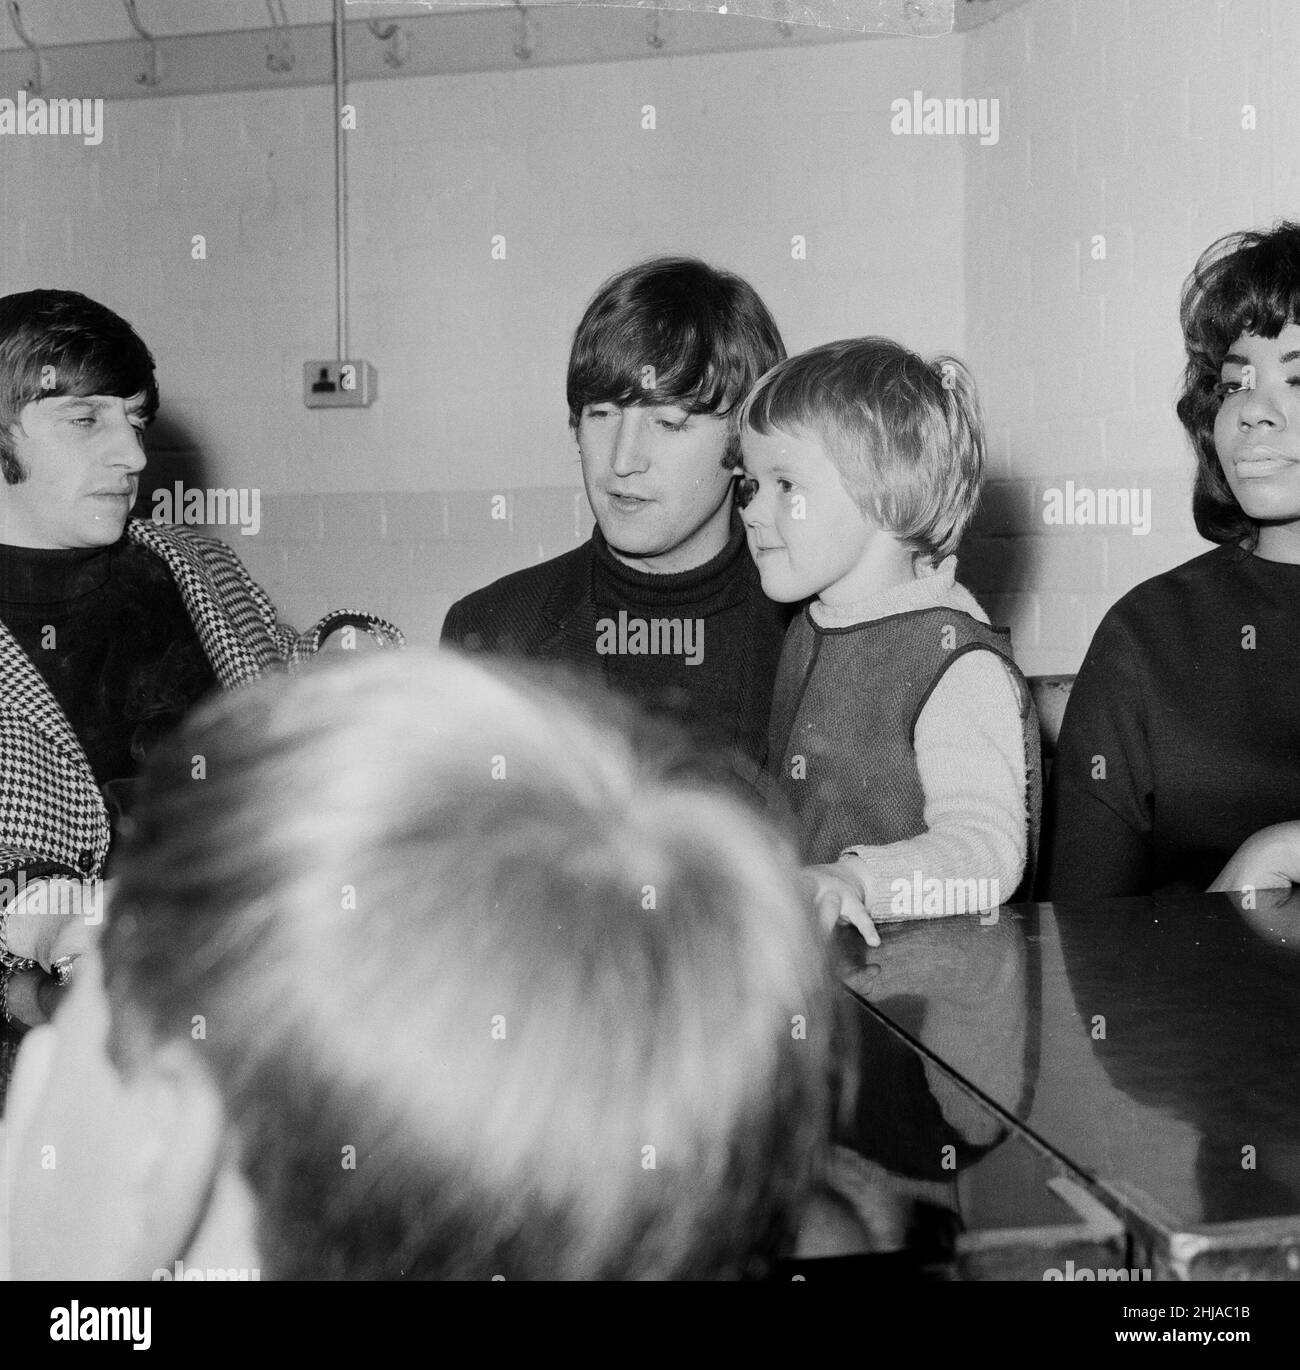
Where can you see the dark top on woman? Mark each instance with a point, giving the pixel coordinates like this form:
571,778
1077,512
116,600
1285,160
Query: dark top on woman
109,633
1182,734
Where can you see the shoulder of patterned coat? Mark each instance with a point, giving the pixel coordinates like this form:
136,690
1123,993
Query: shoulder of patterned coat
209,573
234,619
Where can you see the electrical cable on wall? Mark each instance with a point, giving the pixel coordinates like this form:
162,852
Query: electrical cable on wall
345,382
340,183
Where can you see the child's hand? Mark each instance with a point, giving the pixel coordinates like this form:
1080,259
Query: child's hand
840,898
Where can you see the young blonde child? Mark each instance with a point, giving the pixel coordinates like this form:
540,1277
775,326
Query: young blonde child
903,738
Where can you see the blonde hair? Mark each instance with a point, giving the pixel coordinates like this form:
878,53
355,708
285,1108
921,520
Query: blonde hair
570,1011
905,434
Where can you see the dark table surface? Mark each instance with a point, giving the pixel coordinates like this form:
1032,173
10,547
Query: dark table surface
1152,1044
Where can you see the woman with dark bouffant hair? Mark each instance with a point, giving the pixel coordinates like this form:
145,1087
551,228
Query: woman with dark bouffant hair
1179,758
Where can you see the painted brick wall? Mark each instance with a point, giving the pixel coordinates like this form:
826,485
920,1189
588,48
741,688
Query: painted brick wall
392,507
1120,119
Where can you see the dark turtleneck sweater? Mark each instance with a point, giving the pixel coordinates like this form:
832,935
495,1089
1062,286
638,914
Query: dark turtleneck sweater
723,697
588,610
110,635
1182,734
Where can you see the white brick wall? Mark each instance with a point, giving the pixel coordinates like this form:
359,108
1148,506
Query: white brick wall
1131,110
389,507
1118,117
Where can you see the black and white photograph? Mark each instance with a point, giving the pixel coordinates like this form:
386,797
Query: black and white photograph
650,642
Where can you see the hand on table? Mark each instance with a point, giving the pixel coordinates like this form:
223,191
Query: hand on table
1268,859
839,897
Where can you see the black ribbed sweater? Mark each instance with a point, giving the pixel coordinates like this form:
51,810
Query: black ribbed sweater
1182,734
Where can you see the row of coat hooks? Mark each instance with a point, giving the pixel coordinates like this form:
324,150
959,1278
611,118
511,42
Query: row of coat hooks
280,55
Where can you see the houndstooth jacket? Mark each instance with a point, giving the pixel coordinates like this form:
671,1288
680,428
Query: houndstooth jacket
51,810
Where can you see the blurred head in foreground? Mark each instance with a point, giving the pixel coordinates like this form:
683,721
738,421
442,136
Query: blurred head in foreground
415,970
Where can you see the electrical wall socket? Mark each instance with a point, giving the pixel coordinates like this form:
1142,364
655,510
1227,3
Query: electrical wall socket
350,384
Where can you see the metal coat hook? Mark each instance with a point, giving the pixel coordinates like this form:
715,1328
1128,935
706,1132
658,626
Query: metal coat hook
36,81
153,73
397,46
281,58
652,37
523,50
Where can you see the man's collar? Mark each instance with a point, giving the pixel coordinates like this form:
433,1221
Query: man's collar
572,589
573,585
